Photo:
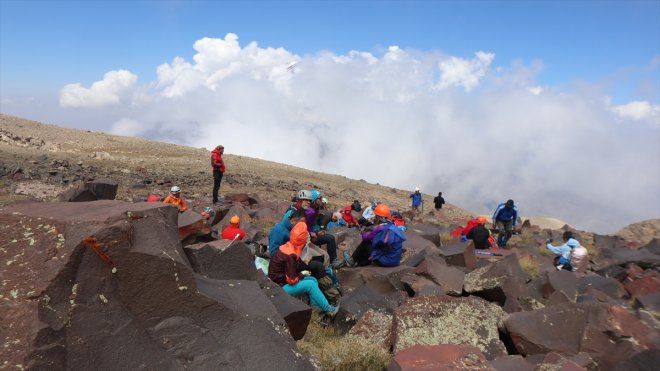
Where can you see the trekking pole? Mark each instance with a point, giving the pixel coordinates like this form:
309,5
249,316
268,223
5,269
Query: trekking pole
488,253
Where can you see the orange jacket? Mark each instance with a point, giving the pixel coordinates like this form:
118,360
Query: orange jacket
179,202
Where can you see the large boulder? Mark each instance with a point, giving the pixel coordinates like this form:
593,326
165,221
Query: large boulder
375,327
460,254
440,357
505,283
449,278
99,189
433,320
222,260
607,333
105,285
359,302
192,225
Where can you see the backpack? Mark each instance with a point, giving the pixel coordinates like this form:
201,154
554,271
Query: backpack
386,237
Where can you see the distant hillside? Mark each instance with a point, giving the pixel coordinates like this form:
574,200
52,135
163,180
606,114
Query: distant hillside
49,158
642,232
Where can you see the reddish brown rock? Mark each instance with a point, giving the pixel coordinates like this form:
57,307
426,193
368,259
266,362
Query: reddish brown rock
449,278
645,285
607,333
192,224
503,282
434,320
460,254
375,327
420,286
443,357
65,307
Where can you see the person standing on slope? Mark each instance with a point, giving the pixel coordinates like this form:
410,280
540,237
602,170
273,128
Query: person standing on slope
438,201
417,200
505,218
218,166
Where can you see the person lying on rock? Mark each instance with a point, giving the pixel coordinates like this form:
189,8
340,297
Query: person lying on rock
563,252
280,233
382,245
175,199
233,231
283,271
480,235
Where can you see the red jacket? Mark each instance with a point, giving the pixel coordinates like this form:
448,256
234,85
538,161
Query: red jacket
217,163
230,232
349,218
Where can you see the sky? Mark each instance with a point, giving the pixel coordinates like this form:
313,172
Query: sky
555,104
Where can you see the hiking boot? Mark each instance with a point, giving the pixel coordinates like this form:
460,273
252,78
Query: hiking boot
333,310
560,267
336,264
348,259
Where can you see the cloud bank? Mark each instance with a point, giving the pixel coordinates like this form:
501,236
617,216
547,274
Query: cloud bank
405,118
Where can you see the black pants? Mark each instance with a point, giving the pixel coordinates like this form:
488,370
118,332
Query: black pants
361,254
329,241
217,178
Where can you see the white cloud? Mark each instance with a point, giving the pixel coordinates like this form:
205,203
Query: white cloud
462,72
109,91
536,90
638,110
394,119
129,127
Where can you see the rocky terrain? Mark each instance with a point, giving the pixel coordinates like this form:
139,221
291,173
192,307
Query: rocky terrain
92,277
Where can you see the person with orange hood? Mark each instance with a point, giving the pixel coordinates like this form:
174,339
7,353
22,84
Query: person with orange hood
233,231
283,271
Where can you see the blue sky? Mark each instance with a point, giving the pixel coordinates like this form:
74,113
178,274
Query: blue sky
532,97
46,44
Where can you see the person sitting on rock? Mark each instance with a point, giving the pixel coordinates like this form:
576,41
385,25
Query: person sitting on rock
283,271
336,221
480,235
233,231
463,231
302,201
348,218
398,221
279,235
368,215
318,236
175,199
563,252
382,245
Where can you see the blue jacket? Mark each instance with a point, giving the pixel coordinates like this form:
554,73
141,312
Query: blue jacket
387,244
368,213
333,224
565,249
416,198
279,235
505,214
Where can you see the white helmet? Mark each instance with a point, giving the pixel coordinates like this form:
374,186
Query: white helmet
304,194
175,189
416,189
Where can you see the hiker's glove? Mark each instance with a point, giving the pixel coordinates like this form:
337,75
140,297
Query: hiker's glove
305,273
